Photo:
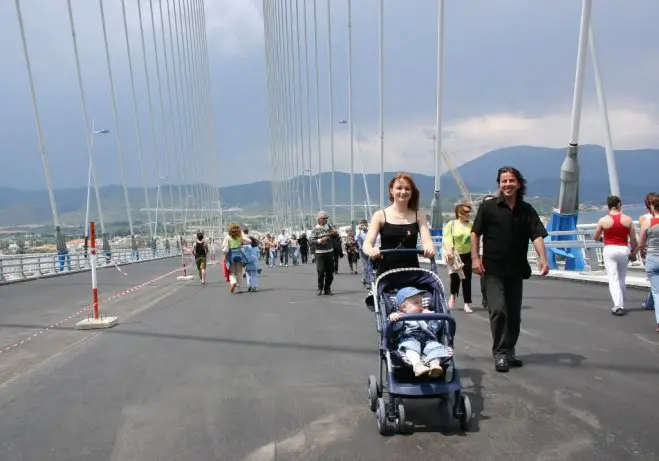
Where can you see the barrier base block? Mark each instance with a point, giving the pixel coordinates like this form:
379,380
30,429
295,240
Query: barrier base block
97,324
185,277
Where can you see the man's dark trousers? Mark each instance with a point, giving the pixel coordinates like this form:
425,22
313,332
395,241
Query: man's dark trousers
325,269
504,301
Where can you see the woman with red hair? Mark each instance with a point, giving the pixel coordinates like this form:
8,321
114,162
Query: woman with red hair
399,226
234,257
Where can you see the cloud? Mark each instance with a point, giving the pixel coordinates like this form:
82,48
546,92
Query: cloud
509,70
234,26
409,147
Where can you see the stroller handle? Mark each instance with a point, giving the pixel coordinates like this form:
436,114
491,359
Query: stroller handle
402,251
418,251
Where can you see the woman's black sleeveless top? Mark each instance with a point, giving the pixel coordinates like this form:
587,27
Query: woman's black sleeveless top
394,236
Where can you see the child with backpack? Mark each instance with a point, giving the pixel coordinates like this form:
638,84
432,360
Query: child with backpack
200,252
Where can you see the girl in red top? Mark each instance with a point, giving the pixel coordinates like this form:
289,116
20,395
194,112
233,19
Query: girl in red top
619,233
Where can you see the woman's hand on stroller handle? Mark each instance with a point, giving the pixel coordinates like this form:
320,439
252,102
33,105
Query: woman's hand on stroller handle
429,252
375,253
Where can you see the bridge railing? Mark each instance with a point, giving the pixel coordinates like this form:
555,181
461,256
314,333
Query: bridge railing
591,249
34,266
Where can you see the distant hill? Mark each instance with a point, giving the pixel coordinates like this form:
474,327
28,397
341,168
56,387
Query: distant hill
539,165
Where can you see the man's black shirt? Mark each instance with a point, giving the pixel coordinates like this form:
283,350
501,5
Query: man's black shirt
506,234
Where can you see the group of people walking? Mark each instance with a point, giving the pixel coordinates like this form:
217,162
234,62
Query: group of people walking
493,246
505,224
621,246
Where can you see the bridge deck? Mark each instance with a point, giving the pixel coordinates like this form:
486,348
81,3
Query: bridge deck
194,373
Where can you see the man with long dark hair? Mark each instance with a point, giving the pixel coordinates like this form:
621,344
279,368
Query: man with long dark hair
506,223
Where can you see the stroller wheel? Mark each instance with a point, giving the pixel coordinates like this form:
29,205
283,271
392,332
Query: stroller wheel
381,417
372,393
465,412
400,420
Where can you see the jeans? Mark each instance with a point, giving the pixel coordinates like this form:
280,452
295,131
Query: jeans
283,256
428,350
365,268
63,255
616,262
253,278
273,257
649,301
652,271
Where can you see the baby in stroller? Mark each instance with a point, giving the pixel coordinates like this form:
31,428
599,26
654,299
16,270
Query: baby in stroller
417,339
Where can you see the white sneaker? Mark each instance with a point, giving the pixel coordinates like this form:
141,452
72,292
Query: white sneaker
435,369
420,369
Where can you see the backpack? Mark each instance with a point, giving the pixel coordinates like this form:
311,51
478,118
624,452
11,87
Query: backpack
200,249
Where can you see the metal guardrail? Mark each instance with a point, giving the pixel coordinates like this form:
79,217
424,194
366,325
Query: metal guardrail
592,250
34,266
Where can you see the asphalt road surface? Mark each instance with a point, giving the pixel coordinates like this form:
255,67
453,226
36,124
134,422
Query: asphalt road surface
195,373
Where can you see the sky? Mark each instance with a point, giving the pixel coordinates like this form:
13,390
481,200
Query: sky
509,70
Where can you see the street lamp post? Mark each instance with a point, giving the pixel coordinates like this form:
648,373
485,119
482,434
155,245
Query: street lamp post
89,175
155,227
352,146
436,208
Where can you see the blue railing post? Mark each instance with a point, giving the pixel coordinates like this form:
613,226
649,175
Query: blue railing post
574,258
436,235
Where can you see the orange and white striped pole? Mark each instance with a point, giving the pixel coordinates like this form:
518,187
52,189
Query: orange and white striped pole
185,275
95,321
92,234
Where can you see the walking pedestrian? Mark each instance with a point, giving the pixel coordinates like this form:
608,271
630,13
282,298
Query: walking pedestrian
200,252
506,224
457,252
617,230
324,254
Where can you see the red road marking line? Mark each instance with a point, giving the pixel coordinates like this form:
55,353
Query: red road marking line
89,307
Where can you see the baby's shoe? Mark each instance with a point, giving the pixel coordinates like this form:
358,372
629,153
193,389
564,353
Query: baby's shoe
435,369
420,369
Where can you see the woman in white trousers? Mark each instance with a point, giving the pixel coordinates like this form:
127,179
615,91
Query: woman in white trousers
618,232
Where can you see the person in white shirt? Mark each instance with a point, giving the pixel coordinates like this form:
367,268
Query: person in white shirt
284,242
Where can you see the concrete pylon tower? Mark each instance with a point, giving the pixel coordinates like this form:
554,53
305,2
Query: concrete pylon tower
566,213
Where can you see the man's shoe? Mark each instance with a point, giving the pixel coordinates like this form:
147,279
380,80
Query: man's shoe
328,292
320,292
501,365
514,362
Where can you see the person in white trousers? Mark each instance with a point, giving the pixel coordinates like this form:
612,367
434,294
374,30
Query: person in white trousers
618,234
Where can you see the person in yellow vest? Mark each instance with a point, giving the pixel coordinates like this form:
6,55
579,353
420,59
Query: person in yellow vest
456,241
235,259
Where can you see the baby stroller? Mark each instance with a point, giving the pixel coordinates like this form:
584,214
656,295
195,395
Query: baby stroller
396,380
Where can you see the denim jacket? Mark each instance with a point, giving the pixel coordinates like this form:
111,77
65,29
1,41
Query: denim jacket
252,255
417,329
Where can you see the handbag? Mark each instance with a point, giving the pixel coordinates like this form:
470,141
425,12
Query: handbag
456,265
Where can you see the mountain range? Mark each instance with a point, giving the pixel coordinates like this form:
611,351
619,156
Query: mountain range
539,165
